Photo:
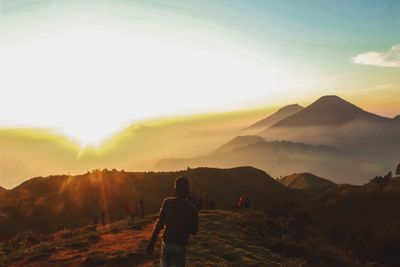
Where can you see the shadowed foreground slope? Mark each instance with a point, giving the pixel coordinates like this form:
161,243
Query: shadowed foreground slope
225,239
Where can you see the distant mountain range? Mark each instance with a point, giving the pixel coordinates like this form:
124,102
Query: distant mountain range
330,132
333,121
278,157
331,137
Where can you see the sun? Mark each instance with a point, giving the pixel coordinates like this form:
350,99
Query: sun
90,82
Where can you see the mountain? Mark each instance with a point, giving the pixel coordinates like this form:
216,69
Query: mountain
240,141
281,114
75,200
306,181
335,122
279,158
329,111
3,191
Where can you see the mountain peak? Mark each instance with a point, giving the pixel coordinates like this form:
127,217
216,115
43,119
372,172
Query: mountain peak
329,110
290,107
334,100
281,114
306,181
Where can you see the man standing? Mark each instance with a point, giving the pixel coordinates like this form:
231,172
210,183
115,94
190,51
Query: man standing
141,209
180,219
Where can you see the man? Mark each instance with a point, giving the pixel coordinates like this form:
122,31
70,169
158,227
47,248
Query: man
141,209
180,219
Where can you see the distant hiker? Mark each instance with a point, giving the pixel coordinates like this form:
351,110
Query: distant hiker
135,210
180,219
240,202
200,203
141,208
103,218
128,212
192,199
205,201
247,203
212,205
96,220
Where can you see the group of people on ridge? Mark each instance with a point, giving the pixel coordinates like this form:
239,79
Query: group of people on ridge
134,210
242,202
202,202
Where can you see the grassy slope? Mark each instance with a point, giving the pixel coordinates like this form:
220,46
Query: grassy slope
222,241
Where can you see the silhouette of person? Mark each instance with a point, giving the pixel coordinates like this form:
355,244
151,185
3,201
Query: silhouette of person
103,218
247,203
192,199
96,220
200,203
128,213
135,210
141,208
205,201
180,219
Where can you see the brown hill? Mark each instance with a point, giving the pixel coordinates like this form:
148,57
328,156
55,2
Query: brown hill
306,181
3,190
281,114
365,218
44,203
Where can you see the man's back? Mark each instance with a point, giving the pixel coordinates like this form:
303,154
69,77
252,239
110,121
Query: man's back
180,219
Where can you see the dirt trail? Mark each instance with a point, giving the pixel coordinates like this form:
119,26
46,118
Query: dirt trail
119,248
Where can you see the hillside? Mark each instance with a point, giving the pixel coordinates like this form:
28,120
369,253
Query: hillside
306,181
365,218
225,238
281,114
3,191
75,200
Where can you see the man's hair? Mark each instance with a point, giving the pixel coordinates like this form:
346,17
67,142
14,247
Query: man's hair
182,187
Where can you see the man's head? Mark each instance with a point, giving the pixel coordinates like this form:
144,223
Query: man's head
182,187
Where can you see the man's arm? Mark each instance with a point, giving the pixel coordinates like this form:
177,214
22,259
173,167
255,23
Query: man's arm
157,228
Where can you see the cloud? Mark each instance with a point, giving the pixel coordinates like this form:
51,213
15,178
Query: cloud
389,58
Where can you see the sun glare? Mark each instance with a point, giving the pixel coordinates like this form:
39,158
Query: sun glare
89,83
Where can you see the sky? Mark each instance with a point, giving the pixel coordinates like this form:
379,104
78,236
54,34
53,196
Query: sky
89,68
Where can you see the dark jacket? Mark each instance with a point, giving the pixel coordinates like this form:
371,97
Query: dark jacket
180,219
